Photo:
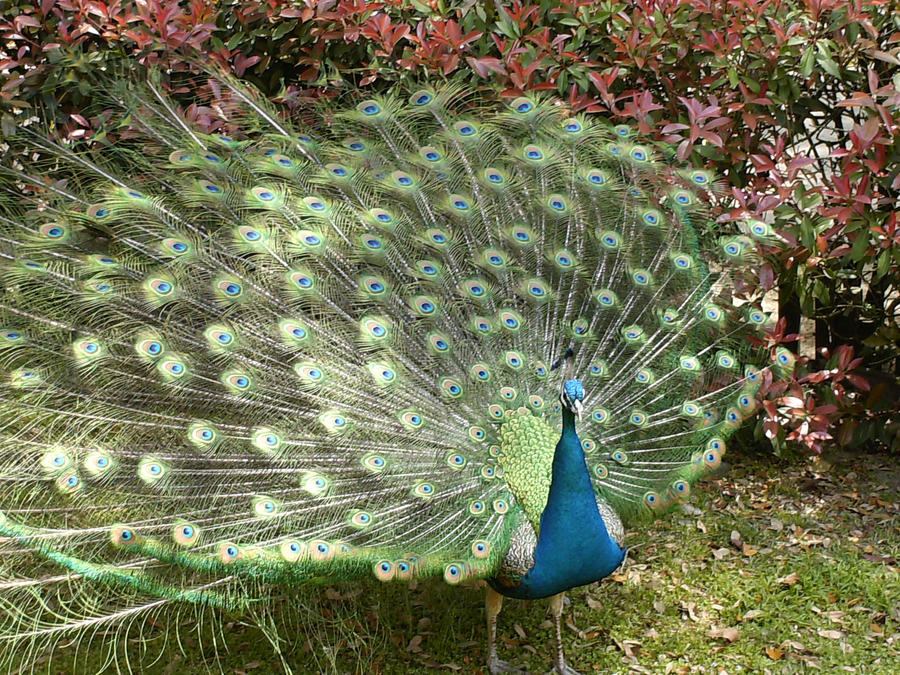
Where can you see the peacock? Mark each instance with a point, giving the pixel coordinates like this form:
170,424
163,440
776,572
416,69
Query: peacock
421,334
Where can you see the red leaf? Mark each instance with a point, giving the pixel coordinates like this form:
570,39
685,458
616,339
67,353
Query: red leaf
799,162
766,277
839,251
241,63
859,382
484,66
450,63
26,20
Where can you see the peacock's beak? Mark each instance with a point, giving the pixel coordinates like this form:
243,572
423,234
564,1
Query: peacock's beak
579,409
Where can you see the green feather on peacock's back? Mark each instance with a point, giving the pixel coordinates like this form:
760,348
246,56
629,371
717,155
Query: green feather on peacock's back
286,354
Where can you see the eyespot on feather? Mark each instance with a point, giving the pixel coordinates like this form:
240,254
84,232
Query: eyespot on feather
320,550
455,573
122,535
384,570
481,549
185,534
293,550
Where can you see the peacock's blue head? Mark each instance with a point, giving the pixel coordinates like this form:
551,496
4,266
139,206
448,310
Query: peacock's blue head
572,396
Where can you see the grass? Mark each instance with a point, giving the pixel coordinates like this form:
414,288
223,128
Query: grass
775,568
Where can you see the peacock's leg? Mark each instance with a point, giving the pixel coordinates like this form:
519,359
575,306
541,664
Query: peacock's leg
560,667
493,603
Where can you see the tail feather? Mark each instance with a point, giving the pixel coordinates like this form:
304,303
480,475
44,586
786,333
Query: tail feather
280,353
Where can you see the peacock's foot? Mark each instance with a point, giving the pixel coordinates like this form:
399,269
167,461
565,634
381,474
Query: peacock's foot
497,666
563,669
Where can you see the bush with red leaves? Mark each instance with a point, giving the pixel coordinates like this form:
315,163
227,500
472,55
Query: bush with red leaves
796,102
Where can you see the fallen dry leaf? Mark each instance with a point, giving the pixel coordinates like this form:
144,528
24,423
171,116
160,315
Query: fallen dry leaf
632,648
836,616
830,634
793,644
728,634
752,614
678,670
689,607
774,653
413,646
790,579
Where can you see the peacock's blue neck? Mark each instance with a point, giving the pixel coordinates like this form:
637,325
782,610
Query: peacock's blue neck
574,547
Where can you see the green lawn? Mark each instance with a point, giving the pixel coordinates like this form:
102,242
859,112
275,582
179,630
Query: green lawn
774,568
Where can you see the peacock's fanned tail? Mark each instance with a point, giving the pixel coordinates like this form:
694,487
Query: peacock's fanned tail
286,354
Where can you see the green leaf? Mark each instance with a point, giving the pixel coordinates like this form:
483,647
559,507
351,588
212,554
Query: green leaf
860,246
283,29
823,57
235,40
807,233
806,62
506,26
807,303
809,201
830,66
708,151
884,264
733,78
752,84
